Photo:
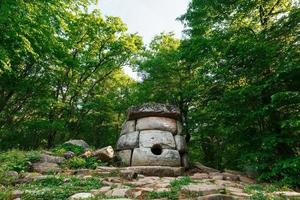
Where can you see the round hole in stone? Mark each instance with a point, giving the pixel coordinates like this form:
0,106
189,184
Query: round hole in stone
156,149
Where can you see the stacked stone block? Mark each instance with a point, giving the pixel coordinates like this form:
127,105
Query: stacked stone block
151,136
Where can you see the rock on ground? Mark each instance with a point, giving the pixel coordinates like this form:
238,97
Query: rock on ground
80,143
83,195
104,154
45,167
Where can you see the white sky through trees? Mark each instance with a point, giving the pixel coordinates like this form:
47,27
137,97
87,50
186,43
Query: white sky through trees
146,17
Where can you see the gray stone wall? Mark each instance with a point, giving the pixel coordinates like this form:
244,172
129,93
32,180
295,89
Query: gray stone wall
151,136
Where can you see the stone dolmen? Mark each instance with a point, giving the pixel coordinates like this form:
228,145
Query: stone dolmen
151,136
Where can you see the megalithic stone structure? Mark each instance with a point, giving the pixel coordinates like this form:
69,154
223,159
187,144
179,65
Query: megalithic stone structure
151,136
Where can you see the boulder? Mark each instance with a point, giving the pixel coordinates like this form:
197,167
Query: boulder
104,154
180,143
125,157
145,157
153,109
157,123
83,195
128,126
161,171
80,143
45,167
150,138
69,154
128,141
51,159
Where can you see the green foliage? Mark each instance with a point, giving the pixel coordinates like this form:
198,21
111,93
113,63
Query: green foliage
15,160
80,163
60,73
235,78
61,149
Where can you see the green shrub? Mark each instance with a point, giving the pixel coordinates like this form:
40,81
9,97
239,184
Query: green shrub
75,163
61,149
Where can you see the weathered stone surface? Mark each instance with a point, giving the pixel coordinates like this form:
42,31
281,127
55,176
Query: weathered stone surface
153,109
180,143
231,177
288,194
154,137
144,157
128,174
185,161
80,143
45,167
102,190
128,126
125,157
117,192
128,141
203,189
157,123
200,176
104,154
160,171
83,195
179,128
51,159
204,168
216,197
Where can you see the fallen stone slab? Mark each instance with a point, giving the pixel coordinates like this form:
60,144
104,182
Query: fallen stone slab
150,138
200,176
153,109
146,156
288,194
230,177
83,195
204,168
160,171
216,197
157,123
202,189
117,192
45,167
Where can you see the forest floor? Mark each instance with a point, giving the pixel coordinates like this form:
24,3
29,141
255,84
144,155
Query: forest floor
79,178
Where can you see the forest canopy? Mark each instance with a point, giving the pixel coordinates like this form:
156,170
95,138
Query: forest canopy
234,76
